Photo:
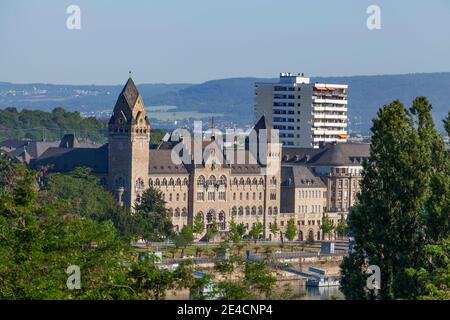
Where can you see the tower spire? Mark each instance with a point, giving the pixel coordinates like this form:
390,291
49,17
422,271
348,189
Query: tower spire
129,74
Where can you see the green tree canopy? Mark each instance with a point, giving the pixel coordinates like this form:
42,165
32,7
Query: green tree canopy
404,201
291,229
156,225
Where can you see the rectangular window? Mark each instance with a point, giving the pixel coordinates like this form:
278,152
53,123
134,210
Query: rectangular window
200,196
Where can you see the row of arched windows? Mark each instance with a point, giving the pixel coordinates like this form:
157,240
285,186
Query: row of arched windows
201,181
247,211
247,182
175,213
168,182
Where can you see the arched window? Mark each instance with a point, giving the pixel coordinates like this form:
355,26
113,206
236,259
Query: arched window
210,217
253,211
241,211
275,210
247,211
177,212
270,211
212,180
185,181
157,182
170,210
164,182
249,181
222,223
235,181
223,181
261,181
241,181
260,210
255,182
234,211
171,182
139,184
273,181
178,183
150,182
201,181
184,212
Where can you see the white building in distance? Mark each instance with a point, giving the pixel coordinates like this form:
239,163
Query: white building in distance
306,115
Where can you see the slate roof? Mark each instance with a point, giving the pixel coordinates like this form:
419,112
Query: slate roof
333,154
160,162
300,176
66,159
13,143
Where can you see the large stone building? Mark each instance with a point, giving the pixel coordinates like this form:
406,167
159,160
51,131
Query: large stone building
298,183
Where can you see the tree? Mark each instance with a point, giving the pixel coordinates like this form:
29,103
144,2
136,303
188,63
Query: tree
257,276
199,226
156,225
184,238
341,227
212,231
39,242
327,225
446,122
403,203
291,229
81,192
237,232
274,229
257,231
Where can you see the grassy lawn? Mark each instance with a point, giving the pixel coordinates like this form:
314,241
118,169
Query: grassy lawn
169,252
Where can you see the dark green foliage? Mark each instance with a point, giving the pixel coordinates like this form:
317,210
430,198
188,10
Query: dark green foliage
403,206
51,126
154,221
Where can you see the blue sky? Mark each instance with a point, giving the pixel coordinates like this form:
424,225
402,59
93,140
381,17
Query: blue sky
197,40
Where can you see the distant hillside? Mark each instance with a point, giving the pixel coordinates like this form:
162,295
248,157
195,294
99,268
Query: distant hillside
235,97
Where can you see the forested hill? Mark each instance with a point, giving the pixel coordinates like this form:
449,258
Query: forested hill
235,97
51,126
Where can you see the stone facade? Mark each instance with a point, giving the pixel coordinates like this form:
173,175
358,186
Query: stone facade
299,183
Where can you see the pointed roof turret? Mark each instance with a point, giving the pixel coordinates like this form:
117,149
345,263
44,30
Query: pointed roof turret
126,100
